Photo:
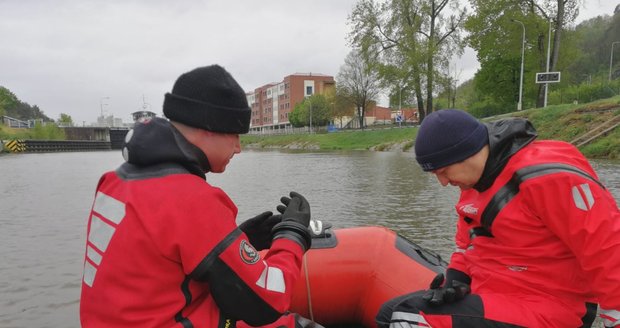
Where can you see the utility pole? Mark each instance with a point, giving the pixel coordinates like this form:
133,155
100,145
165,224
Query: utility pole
310,100
611,58
520,103
548,60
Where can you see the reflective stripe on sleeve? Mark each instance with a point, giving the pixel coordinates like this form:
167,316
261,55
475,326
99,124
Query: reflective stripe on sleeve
109,207
405,319
93,255
100,233
89,273
272,279
107,214
582,196
611,318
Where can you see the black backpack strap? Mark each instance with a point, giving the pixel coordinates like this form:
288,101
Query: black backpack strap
511,189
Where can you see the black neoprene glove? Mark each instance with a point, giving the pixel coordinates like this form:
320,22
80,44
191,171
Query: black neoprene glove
295,220
258,229
455,288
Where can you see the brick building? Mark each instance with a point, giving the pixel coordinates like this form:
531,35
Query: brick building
272,103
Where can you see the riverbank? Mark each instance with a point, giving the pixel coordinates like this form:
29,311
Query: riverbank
561,122
382,138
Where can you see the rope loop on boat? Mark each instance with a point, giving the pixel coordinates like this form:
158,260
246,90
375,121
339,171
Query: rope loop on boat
305,265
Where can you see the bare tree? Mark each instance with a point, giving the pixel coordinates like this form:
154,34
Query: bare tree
359,82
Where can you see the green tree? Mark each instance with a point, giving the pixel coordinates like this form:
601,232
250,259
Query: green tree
497,38
594,47
415,38
7,100
65,120
11,106
312,111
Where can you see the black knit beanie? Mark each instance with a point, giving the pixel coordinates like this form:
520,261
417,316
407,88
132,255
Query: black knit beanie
209,98
448,136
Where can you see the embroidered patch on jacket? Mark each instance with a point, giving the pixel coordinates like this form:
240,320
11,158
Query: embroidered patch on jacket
248,253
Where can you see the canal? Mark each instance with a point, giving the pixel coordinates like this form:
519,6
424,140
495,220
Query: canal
45,200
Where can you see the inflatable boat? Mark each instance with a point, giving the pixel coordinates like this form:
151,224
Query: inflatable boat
349,273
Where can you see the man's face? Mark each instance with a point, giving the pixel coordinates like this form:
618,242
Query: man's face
463,174
219,148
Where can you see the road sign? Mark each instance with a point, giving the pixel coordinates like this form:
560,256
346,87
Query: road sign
548,77
399,118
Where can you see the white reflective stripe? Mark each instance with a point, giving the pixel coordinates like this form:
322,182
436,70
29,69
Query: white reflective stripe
89,273
401,324
413,319
109,207
580,202
275,280
588,193
92,254
610,318
100,233
406,324
272,279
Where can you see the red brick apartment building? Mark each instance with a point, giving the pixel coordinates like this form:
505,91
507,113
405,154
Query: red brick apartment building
272,103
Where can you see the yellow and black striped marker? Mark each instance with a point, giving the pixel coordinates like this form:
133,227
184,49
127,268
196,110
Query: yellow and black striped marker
16,146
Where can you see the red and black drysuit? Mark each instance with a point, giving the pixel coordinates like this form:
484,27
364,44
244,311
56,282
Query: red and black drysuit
538,239
163,248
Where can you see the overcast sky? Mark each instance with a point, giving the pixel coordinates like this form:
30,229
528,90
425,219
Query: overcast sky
79,57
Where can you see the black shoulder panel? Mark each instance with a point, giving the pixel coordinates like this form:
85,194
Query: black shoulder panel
233,296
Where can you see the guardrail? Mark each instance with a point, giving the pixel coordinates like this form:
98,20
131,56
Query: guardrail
46,146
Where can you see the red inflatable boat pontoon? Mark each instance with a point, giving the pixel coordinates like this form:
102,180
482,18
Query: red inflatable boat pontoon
349,273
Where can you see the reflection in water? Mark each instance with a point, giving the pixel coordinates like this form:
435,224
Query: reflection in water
45,198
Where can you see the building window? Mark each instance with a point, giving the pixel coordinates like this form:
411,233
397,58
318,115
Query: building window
309,91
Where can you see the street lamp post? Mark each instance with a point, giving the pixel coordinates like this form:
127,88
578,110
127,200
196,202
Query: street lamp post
400,102
520,104
548,62
101,104
611,58
310,100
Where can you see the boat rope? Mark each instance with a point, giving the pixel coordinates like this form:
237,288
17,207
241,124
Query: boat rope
305,265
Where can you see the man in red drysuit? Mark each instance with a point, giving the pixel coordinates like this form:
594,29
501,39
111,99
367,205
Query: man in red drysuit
538,235
163,248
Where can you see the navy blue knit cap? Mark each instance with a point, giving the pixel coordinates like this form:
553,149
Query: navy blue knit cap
448,136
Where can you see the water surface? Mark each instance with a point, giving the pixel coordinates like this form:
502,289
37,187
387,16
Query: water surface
45,200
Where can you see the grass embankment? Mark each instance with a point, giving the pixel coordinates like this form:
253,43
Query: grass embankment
567,122
375,139
561,122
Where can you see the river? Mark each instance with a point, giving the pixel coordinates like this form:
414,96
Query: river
45,200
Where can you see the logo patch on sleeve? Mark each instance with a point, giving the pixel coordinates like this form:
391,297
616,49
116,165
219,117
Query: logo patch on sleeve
248,253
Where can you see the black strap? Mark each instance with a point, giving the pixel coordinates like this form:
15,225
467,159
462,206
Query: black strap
511,189
185,322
